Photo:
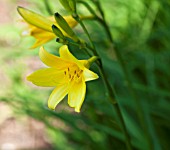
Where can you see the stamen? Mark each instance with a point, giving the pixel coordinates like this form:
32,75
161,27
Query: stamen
75,72
68,69
65,72
70,76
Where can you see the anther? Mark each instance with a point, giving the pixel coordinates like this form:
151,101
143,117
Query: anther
70,76
65,72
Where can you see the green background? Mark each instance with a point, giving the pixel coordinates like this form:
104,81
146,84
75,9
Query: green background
141,33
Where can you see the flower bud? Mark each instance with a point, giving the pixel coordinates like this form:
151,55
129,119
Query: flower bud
92,60
66,5
69,5
64,25
63,41
72,4
57,32
35,19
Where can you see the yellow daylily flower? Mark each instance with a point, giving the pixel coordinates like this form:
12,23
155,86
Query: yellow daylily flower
40,27
67,74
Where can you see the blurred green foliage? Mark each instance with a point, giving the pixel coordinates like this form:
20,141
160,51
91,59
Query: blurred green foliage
141,31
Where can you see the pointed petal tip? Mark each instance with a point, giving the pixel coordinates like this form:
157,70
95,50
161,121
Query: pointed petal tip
64,47
57,95
41,50
90,75
51,107
97,76
77,110
28,78
19,7
68,56
70,104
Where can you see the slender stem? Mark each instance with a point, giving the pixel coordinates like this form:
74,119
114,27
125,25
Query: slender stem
109,89
87,33
85,30
107,85
116,106
106,27
127,76
46,3
99,7
87,6
88,17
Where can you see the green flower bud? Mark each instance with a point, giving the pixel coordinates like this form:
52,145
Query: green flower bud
92,60
64,25
69,5
72,4
57,32
66,5
63,41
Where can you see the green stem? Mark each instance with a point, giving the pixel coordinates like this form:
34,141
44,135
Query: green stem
46,3
96,17
97,3
87,17
109,89
77,18
106,27
115,105
127,76
87,6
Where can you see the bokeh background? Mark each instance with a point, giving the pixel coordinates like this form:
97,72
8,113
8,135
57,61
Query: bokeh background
141,32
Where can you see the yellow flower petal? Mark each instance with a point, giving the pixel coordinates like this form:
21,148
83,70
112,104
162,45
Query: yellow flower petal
89,75
35,19
85,63
71,21
41,39
76,95
38,24
66,55
57,95
39,42
67,73
40,35
47,77
52,60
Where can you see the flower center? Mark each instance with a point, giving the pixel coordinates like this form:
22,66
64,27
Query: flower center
73,74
